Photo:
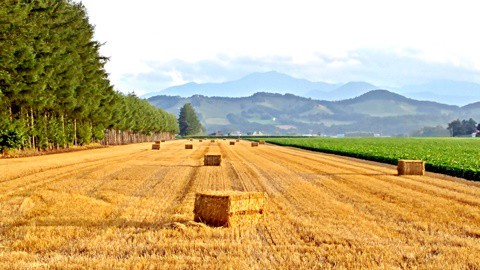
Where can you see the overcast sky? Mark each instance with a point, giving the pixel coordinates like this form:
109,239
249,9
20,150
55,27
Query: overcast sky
156,44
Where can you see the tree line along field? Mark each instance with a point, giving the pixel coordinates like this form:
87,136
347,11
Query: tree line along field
112,208
54,89
453,156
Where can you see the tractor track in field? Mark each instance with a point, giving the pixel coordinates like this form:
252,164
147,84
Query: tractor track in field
335,162
363,175
408,191
192,177
366,171
45,179
266,181
53,169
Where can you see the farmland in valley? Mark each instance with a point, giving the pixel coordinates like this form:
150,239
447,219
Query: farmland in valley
112,208
452,156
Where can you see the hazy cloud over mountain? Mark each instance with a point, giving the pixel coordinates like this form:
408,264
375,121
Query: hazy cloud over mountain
156,44
384,69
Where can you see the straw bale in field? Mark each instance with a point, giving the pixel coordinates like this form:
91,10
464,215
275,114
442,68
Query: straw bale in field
157,142
163,140
411,167
254,144
188,146
261,142
212,140
200,140
229,208
232,143
212,160
156,146
238,140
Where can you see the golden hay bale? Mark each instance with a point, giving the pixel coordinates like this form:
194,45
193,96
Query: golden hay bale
212,140
200,140
157,142
232,143
254,144
411,167
224,139
212,160
156,146
261,142
229,208
188,146
238,140
163,140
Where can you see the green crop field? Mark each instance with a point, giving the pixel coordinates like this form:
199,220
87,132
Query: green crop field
453,156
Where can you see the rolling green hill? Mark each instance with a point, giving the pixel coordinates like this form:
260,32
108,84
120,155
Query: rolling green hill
377,111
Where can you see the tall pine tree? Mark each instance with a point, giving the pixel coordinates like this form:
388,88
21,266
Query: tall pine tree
188,121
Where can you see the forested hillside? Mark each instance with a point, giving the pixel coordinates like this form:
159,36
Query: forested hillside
54,90
377,111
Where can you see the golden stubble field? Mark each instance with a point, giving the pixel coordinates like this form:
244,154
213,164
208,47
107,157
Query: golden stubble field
110,209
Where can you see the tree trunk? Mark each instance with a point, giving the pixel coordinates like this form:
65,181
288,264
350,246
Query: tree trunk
91,131
75,131
63,130
46,130
32,122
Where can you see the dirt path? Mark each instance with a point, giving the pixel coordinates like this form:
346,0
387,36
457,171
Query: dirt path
106,208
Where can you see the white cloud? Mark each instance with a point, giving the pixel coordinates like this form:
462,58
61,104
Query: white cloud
138,33
176,77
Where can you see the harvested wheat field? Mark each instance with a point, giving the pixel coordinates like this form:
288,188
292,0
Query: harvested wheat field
130,207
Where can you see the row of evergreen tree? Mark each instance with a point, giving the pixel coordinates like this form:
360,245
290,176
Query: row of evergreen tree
54,90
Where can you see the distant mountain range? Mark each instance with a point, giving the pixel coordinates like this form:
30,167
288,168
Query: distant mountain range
450,92
377,111
272,82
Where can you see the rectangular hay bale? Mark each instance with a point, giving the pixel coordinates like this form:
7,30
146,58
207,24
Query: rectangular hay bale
163,140
229,208
156,146
254,144
411,167
232,143
188,146
212,160
200,140
261,142
157,142
238,140
212,140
